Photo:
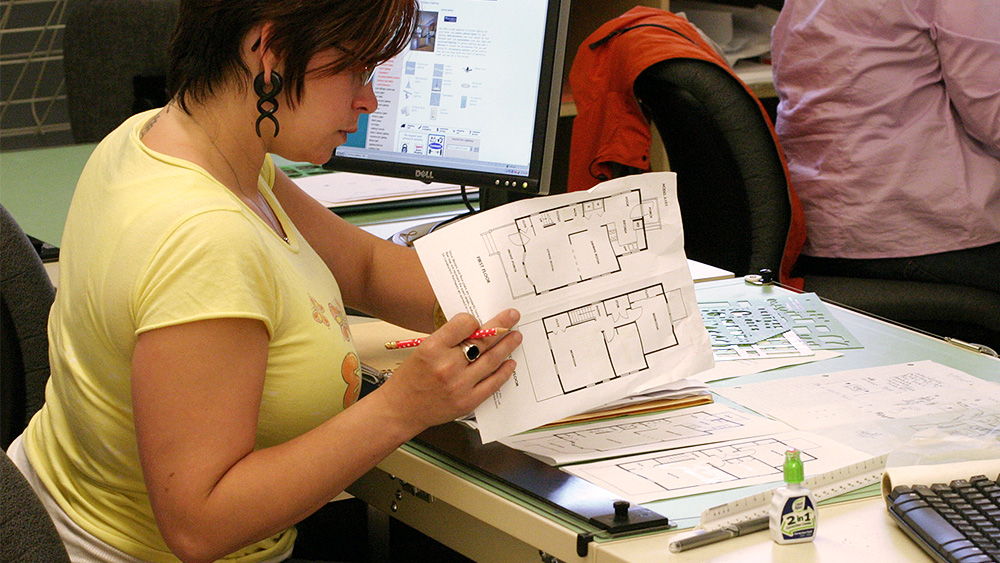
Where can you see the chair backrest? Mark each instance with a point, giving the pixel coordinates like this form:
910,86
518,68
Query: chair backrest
731,179
958,311
26,530
115,61
26,295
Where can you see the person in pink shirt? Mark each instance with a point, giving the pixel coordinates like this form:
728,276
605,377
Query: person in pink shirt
889,115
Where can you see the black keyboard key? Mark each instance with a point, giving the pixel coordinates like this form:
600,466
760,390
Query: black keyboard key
965,528
981,503
992,530
963,553
899,490
978,521
985,544
934,529
950,515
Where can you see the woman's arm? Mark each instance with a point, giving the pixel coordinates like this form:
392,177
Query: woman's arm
376,276
196,392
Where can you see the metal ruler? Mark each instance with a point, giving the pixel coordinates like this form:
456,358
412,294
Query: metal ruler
824,486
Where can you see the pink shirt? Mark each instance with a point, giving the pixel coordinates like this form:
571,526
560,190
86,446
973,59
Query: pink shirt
889,116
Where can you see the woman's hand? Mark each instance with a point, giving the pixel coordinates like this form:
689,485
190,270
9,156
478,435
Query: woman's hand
437,383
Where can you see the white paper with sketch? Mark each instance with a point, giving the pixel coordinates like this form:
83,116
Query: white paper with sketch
631,435
602,283
347,188
876,409
713,467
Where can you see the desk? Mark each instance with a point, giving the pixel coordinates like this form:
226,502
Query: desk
37,185
489,521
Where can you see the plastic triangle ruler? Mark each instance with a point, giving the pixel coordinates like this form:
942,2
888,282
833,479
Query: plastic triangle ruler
823,486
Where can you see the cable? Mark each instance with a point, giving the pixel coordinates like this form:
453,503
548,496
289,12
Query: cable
468,203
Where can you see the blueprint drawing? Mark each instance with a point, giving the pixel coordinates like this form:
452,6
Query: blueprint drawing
604,291
876,409
712,467
631,435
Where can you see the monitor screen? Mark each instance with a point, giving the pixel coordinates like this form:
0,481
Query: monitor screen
473,100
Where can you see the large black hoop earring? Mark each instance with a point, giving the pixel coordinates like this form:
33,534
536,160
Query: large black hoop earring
268,97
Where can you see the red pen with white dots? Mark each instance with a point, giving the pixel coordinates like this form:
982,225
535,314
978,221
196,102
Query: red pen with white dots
481,333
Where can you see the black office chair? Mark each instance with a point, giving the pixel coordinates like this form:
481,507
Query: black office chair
732,186
734,197
967,313
26,531
115,61
26,296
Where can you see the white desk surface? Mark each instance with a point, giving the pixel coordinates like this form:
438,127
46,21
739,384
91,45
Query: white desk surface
489,522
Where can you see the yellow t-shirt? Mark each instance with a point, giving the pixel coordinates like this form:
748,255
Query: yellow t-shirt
153,241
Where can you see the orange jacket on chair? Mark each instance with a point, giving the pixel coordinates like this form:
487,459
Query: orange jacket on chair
610,127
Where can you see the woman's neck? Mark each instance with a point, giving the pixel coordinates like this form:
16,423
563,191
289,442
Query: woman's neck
218,140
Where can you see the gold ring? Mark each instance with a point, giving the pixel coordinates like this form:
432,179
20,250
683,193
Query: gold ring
471,351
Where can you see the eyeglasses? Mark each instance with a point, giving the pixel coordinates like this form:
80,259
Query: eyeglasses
364,76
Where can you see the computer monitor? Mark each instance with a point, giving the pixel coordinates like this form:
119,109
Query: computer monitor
474,100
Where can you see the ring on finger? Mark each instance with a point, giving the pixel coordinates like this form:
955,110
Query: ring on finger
471,351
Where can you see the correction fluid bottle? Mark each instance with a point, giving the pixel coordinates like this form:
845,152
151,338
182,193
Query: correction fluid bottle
792,513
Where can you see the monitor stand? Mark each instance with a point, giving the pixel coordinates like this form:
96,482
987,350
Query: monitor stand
488,199
409,235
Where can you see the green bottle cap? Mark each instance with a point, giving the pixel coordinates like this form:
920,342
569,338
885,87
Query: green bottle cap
794,472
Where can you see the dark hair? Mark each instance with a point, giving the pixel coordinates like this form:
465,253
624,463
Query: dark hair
205,48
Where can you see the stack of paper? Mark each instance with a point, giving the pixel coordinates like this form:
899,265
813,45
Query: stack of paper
336,189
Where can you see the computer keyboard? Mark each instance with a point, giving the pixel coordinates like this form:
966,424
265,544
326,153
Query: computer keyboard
954,522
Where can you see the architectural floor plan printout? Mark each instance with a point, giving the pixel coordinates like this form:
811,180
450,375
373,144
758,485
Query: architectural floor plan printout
877,409
603,287
632,435
713,467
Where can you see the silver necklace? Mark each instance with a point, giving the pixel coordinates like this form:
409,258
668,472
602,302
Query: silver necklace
265,211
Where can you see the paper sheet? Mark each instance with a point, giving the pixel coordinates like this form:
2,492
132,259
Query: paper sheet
713,467
336,189
673,390
876,409
737,368
602,283
641,434
739,32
